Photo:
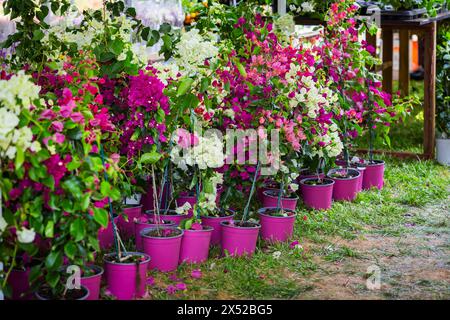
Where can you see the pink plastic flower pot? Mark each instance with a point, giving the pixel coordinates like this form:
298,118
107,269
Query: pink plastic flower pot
126,281
106,235
93,283
361,178
215,223
18,280
186,197
165,251
267,185
276,229
173,216
126,225
374,175
143,223
345,189
318,197
195,245
239,241
270,200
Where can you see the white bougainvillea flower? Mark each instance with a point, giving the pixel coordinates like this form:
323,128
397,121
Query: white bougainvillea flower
26,235
3,224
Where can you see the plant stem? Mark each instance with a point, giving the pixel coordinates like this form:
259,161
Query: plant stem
252,190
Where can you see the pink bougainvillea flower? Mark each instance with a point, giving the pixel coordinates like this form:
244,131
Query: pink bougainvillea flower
171,289
294,244
181,286
48,114
58,126
77,117
186,139
115,157
150,281
59,138
196,273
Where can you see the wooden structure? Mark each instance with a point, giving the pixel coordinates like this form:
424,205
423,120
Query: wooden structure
427,28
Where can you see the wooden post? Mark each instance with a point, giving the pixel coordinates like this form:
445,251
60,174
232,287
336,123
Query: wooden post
404,63
388,47
430,90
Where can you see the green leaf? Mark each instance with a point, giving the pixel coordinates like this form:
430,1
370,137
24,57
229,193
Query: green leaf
150,157
105,188
38,35
184,86
20,158
49,229
78,229
241,69
54,260
70,249
101,216
85,201
52,278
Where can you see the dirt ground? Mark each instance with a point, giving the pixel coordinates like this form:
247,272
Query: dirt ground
413,265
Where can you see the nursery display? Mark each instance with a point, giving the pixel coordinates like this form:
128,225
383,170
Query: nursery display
132,144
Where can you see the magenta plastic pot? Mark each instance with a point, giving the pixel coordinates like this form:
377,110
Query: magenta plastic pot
215,223
93,283
126,226
195,245
267,186
374,175
276,229
84,296
173,216
270,200
106,235
345,189
189,198
165,251
318,197
239,241
361,178
126,281
18,280
143,223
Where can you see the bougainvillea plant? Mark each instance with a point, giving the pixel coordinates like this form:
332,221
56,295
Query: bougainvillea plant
63,188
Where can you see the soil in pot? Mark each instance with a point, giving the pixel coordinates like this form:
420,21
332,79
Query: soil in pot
346,183
163,245
239,237
276,225
45,293
195,245
126,277
317,193
287,201
215,223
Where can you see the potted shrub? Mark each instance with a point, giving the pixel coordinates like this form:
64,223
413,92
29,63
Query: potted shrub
443,98
346,182
126,274
145,222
